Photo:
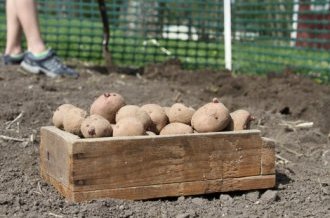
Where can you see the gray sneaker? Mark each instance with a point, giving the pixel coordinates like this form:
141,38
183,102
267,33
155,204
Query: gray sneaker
12,60
49,65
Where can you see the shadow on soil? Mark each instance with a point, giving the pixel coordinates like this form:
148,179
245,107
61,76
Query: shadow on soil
120,70
281,178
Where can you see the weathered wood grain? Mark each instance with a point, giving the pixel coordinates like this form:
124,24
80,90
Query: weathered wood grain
60,187
268,156
162,160
248,183
179,189
55,149
146,167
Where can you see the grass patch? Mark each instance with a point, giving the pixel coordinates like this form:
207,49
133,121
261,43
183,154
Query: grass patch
82,39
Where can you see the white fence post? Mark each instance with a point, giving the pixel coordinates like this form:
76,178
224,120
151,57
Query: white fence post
295,17
227,33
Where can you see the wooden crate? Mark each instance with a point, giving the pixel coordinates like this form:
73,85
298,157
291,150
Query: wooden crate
145,167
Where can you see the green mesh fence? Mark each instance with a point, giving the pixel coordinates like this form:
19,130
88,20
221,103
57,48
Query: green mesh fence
275,35
141,31
269,35
144,31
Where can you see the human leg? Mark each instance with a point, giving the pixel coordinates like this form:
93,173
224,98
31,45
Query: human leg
14,30
13,51
27,15
37,59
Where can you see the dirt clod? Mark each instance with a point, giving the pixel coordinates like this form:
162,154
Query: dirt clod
226,199
183,215
269,196
252,196
198,201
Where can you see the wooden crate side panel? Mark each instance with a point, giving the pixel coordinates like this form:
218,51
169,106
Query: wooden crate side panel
164,160
55,149
60,187
268,156
242,163
154,191
230,140
179,189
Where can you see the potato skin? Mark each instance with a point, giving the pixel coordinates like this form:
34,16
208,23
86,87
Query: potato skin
129,126
107,105
167,110
157,115
72,120
179,113
134,111
176,129
211,117
240,120
59,114
95,126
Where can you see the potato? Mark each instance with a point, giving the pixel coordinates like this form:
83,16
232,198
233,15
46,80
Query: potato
167,110
179,113
59,113
157,115
96,126
107,105
211,117
129,126
134,111
176,129
240,119
72,120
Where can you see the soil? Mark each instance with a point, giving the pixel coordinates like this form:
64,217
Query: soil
279,101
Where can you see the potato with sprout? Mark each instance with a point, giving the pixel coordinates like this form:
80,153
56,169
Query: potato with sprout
211,117
107,105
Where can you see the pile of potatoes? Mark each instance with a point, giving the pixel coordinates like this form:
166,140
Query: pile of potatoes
109,115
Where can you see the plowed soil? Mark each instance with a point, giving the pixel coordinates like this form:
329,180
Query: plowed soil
278,101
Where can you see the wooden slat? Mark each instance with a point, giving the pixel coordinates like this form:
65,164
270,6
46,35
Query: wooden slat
60,187
153,161
242,163
179,189
248,183
55,148
230,140
268,156
147,167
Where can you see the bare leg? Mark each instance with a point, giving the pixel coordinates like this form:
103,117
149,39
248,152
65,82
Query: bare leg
14,29
27,15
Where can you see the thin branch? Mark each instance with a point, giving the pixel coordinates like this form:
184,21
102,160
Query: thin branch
16,119
291,151
55,215
282,158
8,138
